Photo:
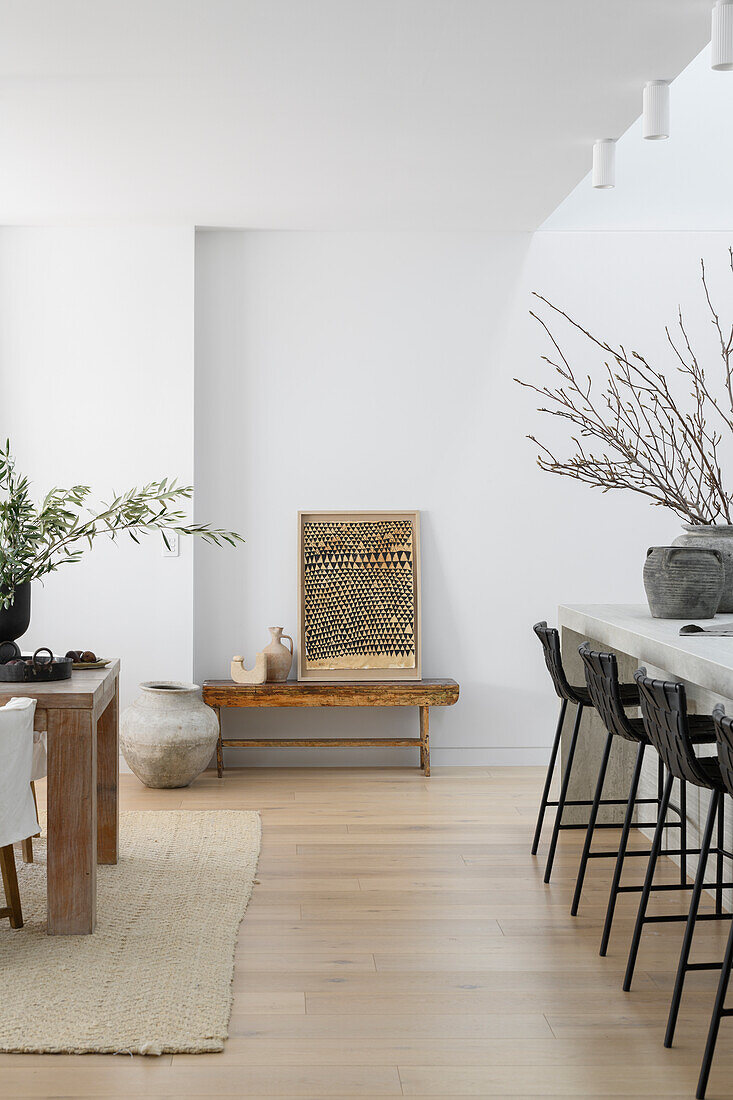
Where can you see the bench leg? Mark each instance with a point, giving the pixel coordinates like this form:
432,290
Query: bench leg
219,748
425,740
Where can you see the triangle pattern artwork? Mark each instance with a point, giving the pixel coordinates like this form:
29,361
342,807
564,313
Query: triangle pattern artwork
359,594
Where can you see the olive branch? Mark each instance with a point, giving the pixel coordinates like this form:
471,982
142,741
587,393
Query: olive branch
35,539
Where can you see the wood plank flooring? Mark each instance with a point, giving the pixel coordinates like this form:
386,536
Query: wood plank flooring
400,942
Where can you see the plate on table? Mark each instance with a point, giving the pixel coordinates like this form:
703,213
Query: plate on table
78,665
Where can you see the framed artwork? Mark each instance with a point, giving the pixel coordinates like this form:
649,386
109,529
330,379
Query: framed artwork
359,596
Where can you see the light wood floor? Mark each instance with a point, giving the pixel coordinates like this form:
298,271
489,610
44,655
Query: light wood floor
400,942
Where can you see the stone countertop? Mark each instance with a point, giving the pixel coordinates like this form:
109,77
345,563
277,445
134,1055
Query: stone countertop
629,628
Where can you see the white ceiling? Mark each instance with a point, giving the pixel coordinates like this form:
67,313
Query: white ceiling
320,113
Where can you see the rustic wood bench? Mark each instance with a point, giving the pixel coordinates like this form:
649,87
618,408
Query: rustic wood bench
293,693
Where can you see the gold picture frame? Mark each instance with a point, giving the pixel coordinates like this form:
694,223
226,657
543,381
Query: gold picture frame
340,635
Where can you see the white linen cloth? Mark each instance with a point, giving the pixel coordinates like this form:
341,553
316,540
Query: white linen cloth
18,818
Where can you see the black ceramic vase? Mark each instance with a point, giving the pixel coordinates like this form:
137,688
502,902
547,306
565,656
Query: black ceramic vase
16,619
683,582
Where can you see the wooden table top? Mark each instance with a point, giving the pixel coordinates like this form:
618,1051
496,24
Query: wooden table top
86,690
341,693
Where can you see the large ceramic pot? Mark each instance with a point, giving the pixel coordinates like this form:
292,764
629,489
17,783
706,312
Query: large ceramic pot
16,619
715,537
168,734
683,582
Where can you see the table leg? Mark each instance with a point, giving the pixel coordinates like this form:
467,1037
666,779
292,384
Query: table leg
108,767
219,747
72,823
425,740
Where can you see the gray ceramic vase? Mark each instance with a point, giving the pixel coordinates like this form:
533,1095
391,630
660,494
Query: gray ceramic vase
719,537
683,582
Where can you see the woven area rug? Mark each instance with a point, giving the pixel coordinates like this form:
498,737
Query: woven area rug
156,975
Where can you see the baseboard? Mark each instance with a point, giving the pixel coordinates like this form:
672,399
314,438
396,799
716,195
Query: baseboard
473,757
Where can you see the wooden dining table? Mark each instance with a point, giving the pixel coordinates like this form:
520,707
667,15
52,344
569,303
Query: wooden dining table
81,717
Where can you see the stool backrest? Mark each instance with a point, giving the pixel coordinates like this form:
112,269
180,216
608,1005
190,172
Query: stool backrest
601,676
664,710
550,639
724,735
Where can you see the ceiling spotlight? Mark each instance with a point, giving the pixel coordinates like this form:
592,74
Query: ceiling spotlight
722,44
656,110
604,162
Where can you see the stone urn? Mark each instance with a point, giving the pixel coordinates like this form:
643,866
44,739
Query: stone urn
279,657
168,735
718,537
683,582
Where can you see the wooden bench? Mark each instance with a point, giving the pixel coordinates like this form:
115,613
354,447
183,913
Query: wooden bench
293,693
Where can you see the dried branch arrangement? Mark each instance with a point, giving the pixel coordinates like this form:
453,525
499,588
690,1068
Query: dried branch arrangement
632,431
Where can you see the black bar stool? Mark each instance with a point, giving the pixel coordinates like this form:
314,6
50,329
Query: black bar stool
673,733
580,696
601,676
724,734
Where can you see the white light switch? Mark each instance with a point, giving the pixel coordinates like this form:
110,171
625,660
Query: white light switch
172,549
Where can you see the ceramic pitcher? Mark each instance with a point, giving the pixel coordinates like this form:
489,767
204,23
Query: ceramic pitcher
279,657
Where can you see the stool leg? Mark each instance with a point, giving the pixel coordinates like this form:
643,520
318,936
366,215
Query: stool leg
591,824
716,1018
623,844
563,794
10,885
660,792
719,858
644,900
548,777
683,832
707,837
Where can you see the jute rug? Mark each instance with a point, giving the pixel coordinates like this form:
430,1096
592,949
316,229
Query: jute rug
156,975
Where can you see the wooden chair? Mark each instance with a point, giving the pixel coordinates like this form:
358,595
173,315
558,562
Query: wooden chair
10,884
39,771
26,846
18,812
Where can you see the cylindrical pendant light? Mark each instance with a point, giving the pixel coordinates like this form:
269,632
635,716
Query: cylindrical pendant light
604,162
655,123
722,45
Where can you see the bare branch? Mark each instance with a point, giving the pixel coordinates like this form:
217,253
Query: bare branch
649,442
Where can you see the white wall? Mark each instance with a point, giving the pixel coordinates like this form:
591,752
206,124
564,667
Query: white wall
332,370
375,370
96,362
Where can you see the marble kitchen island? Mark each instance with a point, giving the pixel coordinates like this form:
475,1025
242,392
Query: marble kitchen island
704,664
